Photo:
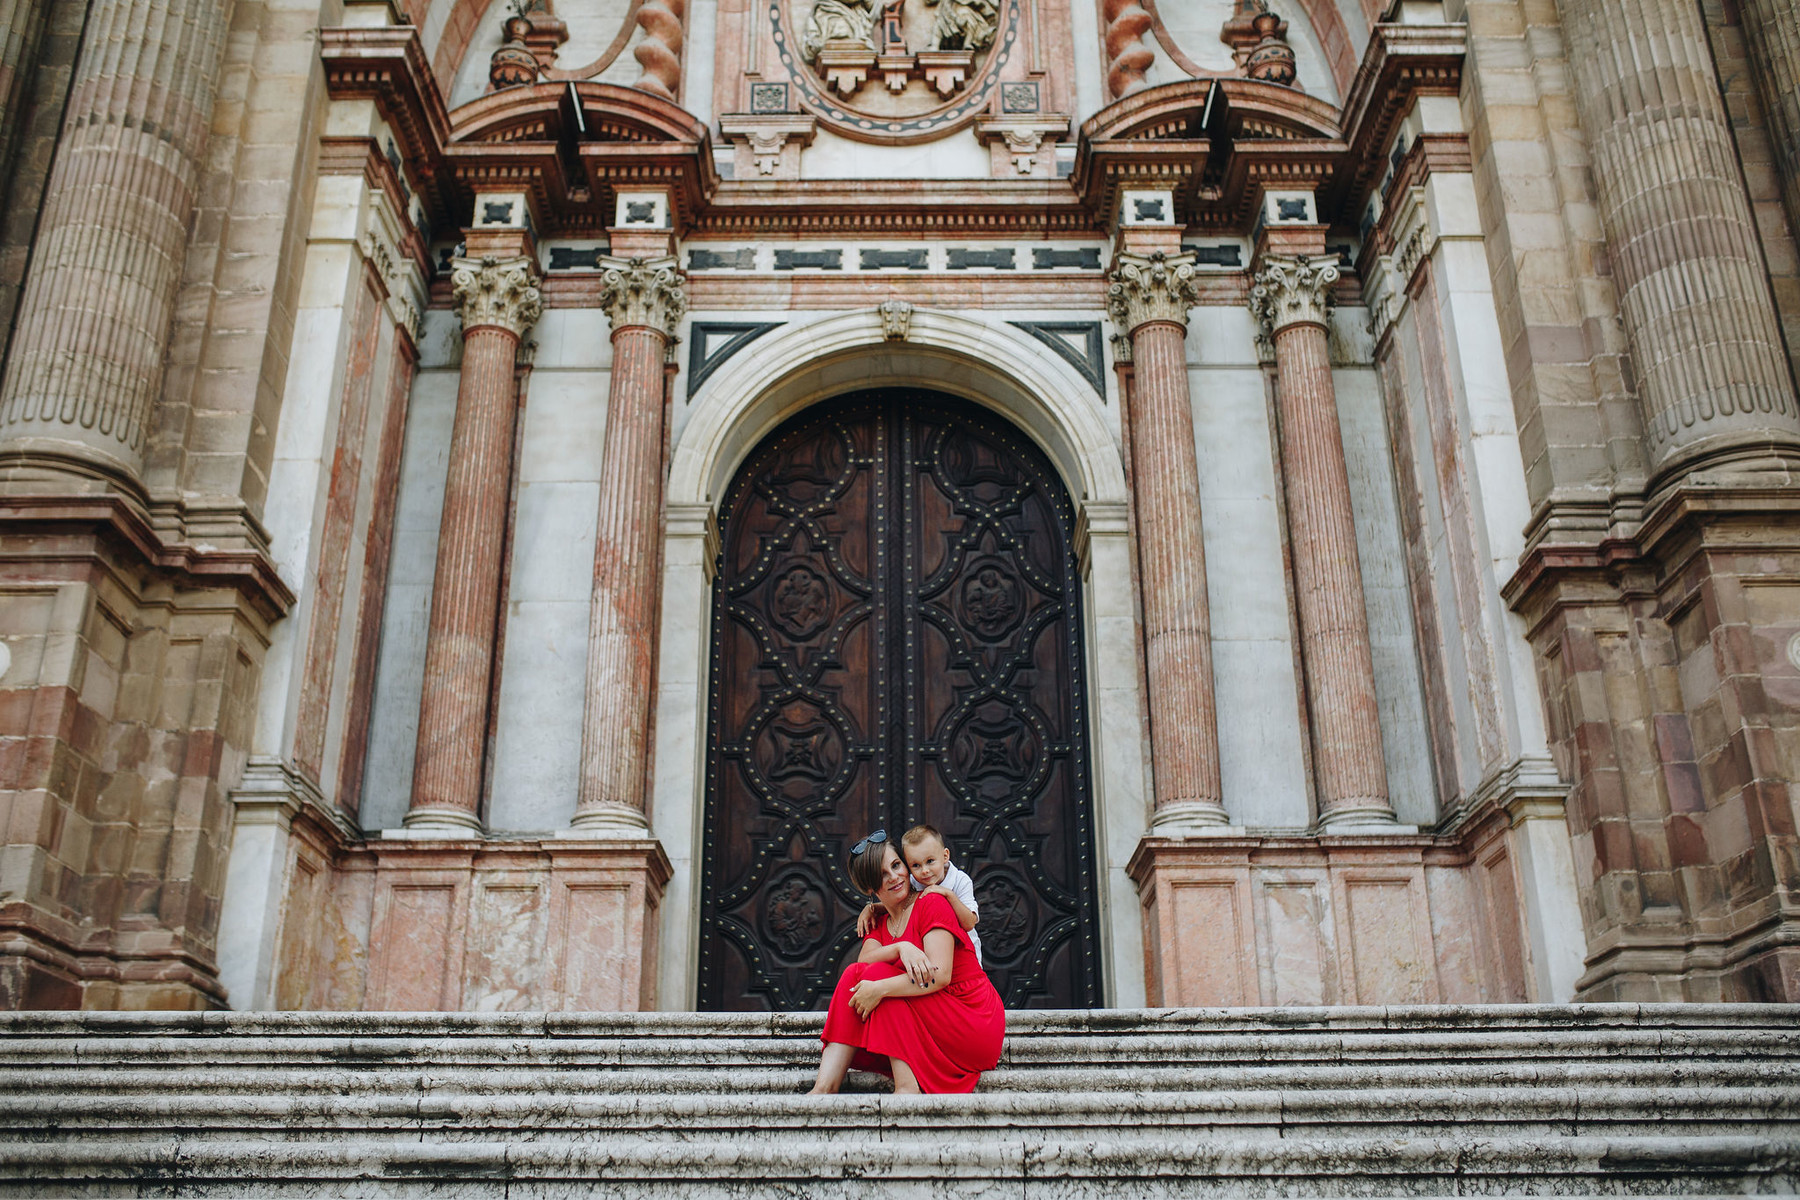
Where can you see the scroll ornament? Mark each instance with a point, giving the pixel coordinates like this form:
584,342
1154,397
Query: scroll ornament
1292,291
1153,287
639,291
499,292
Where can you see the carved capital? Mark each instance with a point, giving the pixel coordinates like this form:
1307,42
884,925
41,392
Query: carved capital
1292,291
1154,287
639,291
497,291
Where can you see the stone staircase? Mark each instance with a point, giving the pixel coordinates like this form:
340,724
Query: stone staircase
1438,1101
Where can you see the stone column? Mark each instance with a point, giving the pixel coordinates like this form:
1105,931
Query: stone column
498,300
644,298
1713,381
1149,297
1289,298
1772,31
93,326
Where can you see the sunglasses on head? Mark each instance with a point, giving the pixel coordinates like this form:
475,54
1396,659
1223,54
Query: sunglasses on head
874,839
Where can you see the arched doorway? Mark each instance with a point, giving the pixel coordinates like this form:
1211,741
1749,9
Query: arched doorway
896,637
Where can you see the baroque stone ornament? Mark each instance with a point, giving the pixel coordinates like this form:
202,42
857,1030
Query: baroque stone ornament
643,291
896,319
497,291
1152,287
1291,290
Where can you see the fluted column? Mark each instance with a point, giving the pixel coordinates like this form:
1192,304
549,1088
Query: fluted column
1699,318
1772,31
1289,298
93,325
644,298
498,300
1149,297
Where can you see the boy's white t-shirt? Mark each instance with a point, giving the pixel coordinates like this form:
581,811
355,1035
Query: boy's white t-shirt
958,884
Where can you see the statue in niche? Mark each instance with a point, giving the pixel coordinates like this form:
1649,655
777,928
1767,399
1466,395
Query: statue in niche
838,21
964,24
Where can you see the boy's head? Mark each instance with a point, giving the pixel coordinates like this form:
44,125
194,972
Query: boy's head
926,855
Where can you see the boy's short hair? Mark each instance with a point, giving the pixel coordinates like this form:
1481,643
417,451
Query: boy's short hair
919,833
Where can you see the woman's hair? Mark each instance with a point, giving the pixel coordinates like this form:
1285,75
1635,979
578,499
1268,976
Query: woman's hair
865,868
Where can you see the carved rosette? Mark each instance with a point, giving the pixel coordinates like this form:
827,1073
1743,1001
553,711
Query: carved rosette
1154,287
502,292
1292,291
639,291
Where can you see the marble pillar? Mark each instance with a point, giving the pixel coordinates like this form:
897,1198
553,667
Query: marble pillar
1290,298
1772,33
86,364
644,299
1149,297
498,301
1713,379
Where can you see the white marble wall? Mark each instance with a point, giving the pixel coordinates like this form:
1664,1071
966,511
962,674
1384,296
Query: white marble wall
1261,760
537,743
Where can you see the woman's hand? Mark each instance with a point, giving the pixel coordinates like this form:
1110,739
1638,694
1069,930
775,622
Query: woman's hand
916,963
866,995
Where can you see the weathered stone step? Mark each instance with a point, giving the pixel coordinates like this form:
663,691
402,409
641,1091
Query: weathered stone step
413,1078
1392,1112
930,1167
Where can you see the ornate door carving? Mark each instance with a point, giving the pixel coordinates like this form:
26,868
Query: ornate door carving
896,637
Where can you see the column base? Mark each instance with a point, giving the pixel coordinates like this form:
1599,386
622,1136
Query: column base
1362,818
1192,818
437,823
607,821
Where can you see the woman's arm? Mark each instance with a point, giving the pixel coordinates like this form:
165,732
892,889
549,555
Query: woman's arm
912,960
940,949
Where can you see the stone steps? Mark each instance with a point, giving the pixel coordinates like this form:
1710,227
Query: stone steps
1326,1102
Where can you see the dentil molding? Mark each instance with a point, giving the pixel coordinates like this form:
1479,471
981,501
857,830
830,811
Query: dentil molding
496,291
643,291
1292,290
1153,287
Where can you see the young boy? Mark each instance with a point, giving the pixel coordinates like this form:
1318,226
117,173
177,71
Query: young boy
928,859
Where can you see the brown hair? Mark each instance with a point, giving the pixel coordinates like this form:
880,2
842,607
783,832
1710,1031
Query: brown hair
865,868
919,833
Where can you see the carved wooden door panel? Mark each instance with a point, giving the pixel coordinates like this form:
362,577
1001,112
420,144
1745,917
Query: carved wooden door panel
896,637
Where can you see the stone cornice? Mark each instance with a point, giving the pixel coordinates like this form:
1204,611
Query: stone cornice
1154,287
1292,291
643,292
387,64
251,573
497,292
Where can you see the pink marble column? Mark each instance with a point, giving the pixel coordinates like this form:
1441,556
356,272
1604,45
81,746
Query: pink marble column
1290,297
1150,296
644,299
498,300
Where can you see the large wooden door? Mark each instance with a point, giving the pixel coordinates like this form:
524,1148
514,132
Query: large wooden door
896,637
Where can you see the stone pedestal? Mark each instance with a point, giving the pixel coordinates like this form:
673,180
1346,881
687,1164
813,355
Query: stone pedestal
1149,296
1290,300
1713,380
498,300
644,299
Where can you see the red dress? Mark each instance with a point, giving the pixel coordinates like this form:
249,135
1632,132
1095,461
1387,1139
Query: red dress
949,1037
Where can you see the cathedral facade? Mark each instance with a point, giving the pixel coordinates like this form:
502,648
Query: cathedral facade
494,501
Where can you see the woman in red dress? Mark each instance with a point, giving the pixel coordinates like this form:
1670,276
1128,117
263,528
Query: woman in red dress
915,1004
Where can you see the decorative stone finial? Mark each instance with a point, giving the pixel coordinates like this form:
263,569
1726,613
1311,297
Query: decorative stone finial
896,319
1291,290
1154,287
639,291
495,291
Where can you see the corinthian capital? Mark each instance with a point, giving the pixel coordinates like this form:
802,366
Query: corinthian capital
643,291
496,291
1292,290
1155,287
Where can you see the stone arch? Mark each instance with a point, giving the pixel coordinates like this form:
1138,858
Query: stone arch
977,358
